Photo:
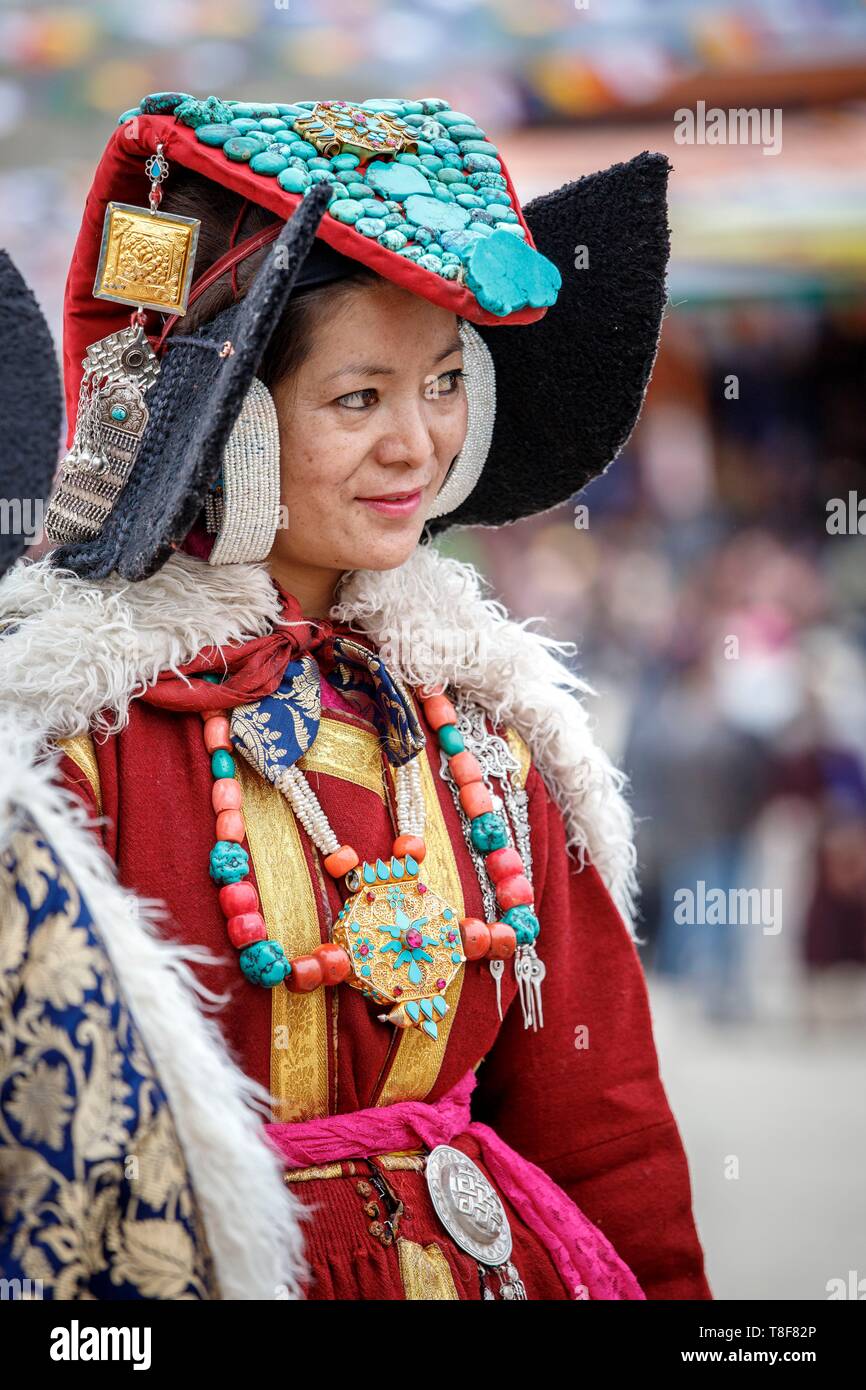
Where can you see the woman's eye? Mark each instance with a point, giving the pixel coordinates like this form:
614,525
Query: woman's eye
355,399
453,377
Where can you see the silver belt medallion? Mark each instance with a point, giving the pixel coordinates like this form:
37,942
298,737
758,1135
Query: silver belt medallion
472,1214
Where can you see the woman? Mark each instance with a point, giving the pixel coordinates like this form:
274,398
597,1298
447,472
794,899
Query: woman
304,729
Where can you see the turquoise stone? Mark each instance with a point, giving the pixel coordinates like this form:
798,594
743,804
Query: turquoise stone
368,873
396,180
393,106
304,149
244,126
465,131
451,177
453,161
502,212
346,210
345,161
373,207
393,220
392,240
461,243
423,147
469,200
319,175
412,1010
430,1028
480,179
357,190
229,863
430,212
451,118
481,164
215,134
426,1008
525,923
488,832
429,262
505,274
513,227
293,180
254,110
318,161
268,163
128,115
443,193
162,103
448,270
478,147
411,866
432,163
119,413
451,740
242,148
423,235
382,870
408,159
495,195
369,226
222,764
446,148
273,124
397,869
440,1005
264,963
456,957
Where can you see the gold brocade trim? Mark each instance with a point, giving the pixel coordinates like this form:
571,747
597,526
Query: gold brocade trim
347,751
325,1170
425,1272
299,1046
418,1058
81,751
393,1162
520,749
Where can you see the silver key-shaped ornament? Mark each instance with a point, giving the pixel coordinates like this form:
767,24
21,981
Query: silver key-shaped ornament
497,970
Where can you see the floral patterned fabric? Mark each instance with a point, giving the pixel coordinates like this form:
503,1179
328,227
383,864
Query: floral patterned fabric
95,1197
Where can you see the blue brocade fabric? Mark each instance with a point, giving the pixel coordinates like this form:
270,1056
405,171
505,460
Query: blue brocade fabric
95,1196
274,732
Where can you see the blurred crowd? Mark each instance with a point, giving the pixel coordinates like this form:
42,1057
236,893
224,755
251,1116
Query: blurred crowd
723,626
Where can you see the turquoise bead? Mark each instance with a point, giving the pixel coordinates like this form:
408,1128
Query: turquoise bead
408,159
477,147
469,200
128,115
254,110
392,240
481,164
273,123
393,220
268,163
293,180
445,148
451,740
264,963
369,226
448,270
222,764
304,149
119,413
525,923
481,179
450,118
357,190
345,161
424,148
450,177
513,227
374,208
215,134
465,131
319,162
430,262
244,125
501,212
242,148
453,161
488,832
229,863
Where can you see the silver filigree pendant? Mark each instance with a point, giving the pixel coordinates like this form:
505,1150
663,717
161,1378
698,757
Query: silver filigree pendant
109,426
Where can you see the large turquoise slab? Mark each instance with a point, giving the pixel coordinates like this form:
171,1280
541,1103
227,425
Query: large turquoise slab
430,212
397,181
505,275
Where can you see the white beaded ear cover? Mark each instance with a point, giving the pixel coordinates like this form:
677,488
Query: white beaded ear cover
246,516
479,377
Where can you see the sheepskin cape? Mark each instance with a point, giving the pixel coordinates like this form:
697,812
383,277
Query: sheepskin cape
74,653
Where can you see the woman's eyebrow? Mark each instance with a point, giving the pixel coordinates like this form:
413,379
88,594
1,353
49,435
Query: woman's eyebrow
373,369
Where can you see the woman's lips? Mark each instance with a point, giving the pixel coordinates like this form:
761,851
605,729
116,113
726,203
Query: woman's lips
402,505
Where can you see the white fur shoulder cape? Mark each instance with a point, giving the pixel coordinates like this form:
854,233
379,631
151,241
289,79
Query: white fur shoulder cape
73,651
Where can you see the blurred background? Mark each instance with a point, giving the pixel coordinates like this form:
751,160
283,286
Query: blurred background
714,580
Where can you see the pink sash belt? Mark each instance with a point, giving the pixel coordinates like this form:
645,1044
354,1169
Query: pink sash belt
587,1262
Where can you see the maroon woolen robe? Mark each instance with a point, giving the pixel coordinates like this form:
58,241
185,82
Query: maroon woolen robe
581,1097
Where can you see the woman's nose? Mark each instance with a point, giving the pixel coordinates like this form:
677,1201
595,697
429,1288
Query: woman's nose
408,439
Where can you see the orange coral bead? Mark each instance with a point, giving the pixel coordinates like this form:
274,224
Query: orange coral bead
230,826
515,891
306,974
502,863
409,844
503,941
439,710
476,937
226,794
334,962
465,768
246,928
475,799
217,734
341,861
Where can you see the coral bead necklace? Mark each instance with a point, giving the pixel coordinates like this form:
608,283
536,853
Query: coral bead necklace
395,939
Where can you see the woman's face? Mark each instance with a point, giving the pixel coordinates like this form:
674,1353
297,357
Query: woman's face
369,426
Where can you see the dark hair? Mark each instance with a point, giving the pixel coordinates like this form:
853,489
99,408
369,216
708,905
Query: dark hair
192,195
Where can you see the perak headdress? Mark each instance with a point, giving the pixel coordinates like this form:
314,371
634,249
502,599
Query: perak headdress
411,189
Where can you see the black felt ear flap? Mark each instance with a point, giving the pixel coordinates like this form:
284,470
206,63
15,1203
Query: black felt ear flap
570,387
193,406
31,412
